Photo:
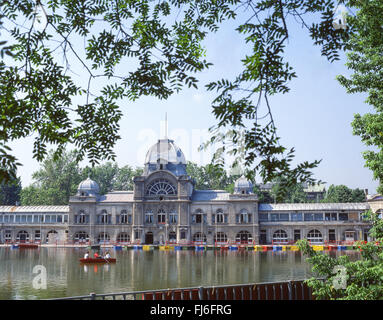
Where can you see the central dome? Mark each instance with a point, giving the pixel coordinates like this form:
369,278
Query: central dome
165,151
165,155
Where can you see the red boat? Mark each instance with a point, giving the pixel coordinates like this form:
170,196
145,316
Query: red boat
28,246
98,260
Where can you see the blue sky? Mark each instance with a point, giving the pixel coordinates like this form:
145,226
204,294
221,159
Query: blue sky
314,117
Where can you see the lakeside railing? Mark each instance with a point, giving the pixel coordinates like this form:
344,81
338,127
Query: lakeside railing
285,290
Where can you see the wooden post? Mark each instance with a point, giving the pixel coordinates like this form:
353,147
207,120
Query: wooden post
200,293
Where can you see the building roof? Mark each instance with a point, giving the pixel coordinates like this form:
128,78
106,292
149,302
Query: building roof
117,196
33,209
374,197
210,195
313,206
320,187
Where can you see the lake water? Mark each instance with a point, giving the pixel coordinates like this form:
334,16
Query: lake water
143,270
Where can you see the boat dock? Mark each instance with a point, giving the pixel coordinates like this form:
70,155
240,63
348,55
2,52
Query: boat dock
233,247
192,247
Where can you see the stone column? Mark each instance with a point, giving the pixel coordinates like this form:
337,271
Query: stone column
338,234
114,214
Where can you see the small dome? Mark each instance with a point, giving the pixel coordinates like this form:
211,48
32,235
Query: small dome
88,187
242,185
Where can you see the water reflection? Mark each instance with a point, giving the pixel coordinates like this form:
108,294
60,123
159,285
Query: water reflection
143,270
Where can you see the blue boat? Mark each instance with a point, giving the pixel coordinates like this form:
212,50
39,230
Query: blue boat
117,248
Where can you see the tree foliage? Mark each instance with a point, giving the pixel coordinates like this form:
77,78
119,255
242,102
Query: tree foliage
364,277
294,194
37,91
211,177
57,180
124,177
342,193
163,43
10,192
247,129
365,60
263,196
54,182
110,177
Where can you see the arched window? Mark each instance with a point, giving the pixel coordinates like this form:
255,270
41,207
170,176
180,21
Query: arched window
103,237
149,217
199,237
104,217
8,236
173,217
123,237
280,236
199,217
82,217
172,237
244,237
51,235
81,236
220,237
22,236
315,236
243,217
160,187
161,216
124,217
219,216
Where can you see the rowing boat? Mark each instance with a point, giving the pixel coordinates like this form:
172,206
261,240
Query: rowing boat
98,260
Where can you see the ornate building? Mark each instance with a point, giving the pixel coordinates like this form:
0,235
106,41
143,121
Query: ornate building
164,207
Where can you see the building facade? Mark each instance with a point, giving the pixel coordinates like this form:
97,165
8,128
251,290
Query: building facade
164,207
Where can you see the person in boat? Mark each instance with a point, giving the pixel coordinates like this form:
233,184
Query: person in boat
107,255
96,255
86,256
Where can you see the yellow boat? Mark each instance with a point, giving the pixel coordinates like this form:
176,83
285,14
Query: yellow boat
318,248
294,248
